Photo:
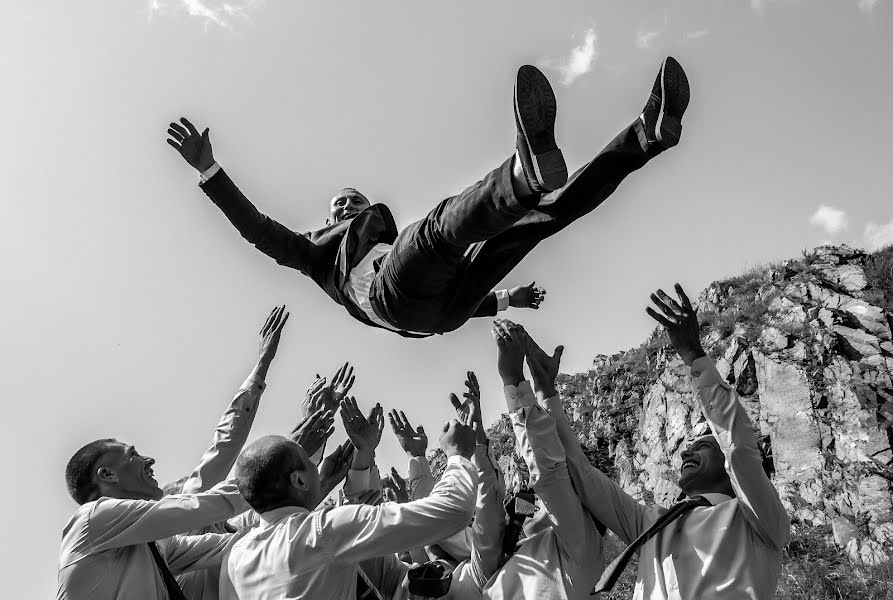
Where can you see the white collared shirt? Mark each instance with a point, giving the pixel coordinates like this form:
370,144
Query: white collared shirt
104,552
729,550
298,554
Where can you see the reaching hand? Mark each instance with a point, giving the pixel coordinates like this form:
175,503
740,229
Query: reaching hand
369,497
334,467
459,436
543,368
271,332
193,146
413,442
527,296
331,395
313,431
681,323
397,485
364,433
472,400
314,400
511,345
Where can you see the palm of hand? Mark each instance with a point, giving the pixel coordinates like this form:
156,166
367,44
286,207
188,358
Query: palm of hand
413,442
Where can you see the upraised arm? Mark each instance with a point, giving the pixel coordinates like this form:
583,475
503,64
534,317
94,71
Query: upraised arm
728,421
606,501
280,243
522,296
235,424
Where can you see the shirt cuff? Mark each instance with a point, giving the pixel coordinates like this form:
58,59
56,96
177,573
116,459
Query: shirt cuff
418,467
704,373
554,407
254,383
208,173
519,397
502,300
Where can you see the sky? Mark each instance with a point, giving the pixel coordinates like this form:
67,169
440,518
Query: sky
131,308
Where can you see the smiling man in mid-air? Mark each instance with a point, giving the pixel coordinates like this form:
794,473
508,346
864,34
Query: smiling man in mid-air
439,272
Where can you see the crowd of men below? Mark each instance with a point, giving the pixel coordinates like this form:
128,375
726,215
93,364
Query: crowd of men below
279,530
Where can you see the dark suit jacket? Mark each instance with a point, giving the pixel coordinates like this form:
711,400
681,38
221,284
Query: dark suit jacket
326,255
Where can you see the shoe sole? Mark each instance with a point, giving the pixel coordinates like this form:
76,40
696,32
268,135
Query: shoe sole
535,110
674,97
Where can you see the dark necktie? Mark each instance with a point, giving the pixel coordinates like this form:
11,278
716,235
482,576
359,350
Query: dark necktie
170,584
612,573
365,589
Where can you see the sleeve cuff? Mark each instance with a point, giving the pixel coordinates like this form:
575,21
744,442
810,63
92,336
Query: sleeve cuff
208,173
519,397
357,481
554,407
502,300
254,383
418,467
704,374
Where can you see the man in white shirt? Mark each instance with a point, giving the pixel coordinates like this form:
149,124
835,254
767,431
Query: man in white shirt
728,542
565,559
295,553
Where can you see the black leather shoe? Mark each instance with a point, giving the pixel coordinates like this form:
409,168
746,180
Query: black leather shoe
669,98
535,110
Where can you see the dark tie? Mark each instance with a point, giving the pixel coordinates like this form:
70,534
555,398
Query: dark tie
170,584
612,573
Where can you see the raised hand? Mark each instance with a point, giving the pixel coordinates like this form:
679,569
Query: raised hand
193,146
271,332
314,399
527,296
681,322
511,347
459,436
332,394
313,431
364,433
397,485
413,441
543,368
369,497
335,466
472,401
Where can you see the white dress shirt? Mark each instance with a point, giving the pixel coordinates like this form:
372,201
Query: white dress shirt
565,560
295,553
105,553
214,466
729,550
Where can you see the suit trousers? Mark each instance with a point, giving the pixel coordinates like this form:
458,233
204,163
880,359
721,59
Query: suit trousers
442,267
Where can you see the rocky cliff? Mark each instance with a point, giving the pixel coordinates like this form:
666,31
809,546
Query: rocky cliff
807,344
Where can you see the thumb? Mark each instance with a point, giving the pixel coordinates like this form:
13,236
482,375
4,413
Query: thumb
420,430
205,137
558,352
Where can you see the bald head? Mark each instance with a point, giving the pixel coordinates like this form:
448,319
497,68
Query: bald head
274,472
346,204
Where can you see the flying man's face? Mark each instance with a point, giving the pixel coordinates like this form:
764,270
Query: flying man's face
347,204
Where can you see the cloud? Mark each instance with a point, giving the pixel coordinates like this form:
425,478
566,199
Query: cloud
210,12
698,34
832,220
578,62
867,6
878,236
644,38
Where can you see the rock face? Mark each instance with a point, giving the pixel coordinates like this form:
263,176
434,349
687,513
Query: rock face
809,351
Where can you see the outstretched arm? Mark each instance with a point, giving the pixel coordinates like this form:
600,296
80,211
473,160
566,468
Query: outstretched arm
731,427
235,424
540,447
280,243
522,296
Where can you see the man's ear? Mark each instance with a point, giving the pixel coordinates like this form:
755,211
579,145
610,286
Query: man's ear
106,475
297,481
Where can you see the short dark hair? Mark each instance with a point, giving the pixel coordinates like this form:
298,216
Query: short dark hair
263,471
79,471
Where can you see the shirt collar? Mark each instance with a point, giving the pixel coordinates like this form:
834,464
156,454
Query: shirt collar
280,513
715,498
